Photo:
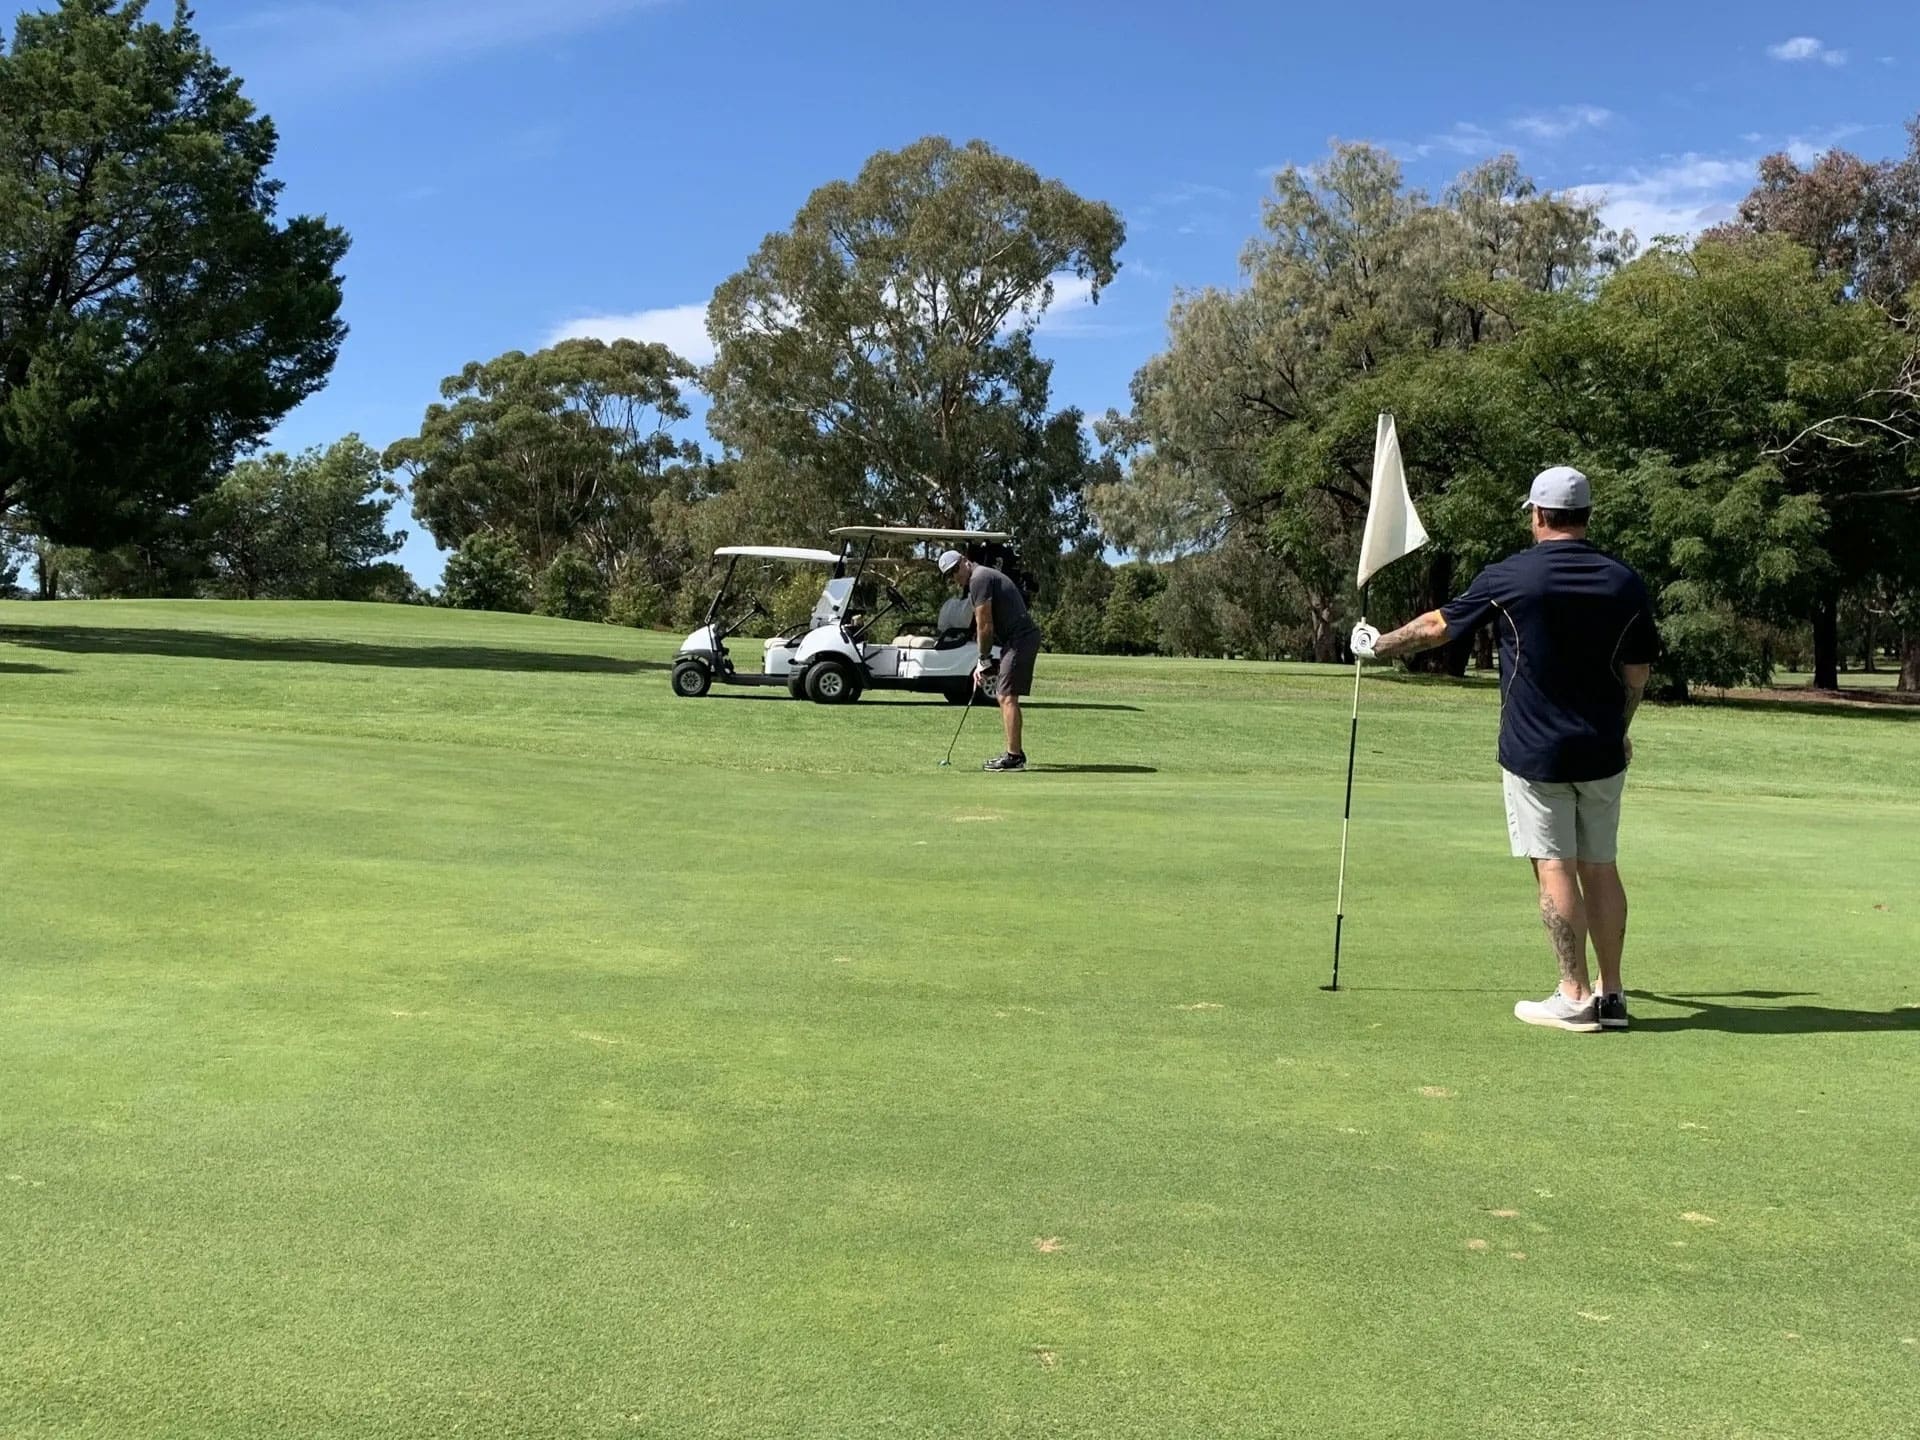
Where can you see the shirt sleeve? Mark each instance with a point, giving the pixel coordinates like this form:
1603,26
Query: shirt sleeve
1640,641
1468,612
979,592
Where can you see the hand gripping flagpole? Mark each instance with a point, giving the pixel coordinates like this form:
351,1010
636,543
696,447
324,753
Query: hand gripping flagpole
1393,530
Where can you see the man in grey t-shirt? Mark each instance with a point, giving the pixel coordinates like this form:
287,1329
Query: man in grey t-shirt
999,618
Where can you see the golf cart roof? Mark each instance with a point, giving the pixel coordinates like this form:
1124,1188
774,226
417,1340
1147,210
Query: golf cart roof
780,552
914,532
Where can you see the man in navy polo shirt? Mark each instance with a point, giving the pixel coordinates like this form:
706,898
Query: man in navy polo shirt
1577,644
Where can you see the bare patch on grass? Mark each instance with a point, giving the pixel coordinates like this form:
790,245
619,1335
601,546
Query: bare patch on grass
1201,1005
1049,1244
1590,1315
597,1039
1436,1092
976,819
1504,1214
1047,1358
1516,1254
1694,1217
1478,1245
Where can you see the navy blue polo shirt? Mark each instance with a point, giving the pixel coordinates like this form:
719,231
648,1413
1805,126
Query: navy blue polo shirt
1568,616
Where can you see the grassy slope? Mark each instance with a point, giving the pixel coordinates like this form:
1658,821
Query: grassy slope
421,1023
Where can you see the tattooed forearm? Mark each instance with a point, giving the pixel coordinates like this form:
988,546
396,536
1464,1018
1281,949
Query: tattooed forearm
1569,945
1422,634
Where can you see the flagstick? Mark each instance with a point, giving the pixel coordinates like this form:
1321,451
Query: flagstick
1346,818
1393,531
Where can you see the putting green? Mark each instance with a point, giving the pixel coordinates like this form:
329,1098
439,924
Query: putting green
421,1023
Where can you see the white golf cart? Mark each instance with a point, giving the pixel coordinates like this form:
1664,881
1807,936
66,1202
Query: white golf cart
835,662
703,659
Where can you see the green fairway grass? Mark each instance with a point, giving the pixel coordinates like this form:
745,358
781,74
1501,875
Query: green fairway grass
419,1023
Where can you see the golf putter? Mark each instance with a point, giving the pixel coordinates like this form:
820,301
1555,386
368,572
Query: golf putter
961,726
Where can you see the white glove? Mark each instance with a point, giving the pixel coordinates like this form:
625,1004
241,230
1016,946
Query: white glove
1363,639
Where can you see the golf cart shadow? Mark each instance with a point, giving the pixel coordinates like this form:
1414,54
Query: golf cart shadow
310,650
1769,1019
1033,704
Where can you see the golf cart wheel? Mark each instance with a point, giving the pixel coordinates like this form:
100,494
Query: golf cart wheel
691,679
832,682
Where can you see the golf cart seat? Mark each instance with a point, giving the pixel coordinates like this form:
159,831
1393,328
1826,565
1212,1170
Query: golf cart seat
953,628
955,624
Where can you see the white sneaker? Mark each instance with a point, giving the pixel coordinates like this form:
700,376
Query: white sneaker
1560,1013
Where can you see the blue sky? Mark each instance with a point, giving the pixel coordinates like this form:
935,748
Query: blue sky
515,170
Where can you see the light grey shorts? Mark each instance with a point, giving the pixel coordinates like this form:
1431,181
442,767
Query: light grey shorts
1577,820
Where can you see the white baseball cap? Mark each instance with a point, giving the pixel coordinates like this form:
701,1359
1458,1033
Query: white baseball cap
1561,488
949,559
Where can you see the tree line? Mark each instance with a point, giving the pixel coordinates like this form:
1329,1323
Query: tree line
1747,402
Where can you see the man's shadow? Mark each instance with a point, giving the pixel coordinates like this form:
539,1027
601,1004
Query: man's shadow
1093,769
1769,1019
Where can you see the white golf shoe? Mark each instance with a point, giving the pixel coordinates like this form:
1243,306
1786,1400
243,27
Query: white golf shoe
1560,1013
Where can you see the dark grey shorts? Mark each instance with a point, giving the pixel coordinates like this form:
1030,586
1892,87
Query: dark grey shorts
1016,667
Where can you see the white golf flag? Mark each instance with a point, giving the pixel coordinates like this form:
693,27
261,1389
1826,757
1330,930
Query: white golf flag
1393,526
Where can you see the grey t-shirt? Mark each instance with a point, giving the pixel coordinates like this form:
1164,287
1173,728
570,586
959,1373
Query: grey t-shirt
1011,622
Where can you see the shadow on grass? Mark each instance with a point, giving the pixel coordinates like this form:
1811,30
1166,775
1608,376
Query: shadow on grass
211,645
1769,1019
9,668
1859,704
778,692
1092,770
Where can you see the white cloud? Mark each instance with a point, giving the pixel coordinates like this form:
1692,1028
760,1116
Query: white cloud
1682,197
1558,123
322,42
1072,297
1803,150
1188,206
1465,138
1805,47
1182,196
681,328
1470,138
